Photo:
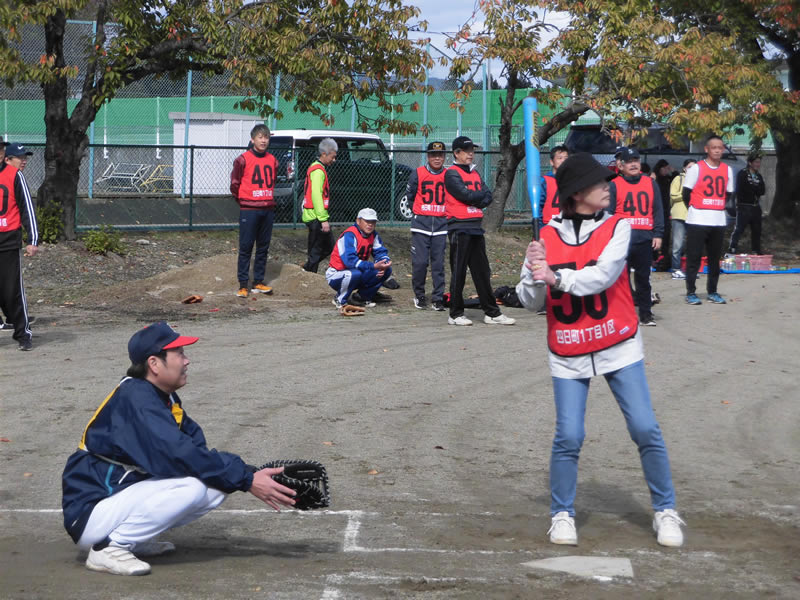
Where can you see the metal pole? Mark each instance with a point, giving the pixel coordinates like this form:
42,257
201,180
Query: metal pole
158,128
91,133
353,117
486,156
425,104
391,136
191,187
275,99
186,130
458,112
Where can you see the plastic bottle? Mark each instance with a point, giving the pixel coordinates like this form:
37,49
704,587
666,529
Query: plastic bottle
746,266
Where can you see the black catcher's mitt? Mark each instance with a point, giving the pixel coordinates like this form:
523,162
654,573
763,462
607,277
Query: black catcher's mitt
306,477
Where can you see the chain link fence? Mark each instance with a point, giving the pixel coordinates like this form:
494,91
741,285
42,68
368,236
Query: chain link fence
135,189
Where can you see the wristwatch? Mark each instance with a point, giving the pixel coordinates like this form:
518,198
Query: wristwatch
557,284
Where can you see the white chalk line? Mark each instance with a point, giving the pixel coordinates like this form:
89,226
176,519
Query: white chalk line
315,513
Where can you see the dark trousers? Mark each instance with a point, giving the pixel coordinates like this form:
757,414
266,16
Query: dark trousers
255,228
699,237
12,293
320,245
425,249
747,214
640,258
469,250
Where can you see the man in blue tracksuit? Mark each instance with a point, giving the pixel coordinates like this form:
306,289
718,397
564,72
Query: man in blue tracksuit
142,465
359,261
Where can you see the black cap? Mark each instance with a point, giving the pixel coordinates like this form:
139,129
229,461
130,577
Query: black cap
627,154
17,150
579,172
462,142
436,147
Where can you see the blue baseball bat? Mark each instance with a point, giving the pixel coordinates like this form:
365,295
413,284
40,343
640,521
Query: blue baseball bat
532,163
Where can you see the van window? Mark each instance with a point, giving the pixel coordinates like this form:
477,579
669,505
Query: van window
367,150
280,141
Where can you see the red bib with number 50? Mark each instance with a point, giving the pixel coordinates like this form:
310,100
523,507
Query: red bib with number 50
429,197
455,209
583,324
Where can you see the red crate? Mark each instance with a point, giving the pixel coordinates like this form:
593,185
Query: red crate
703,262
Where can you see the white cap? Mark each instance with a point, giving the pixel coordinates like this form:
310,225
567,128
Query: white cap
368,214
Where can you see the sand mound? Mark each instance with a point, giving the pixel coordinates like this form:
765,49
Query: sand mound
213,278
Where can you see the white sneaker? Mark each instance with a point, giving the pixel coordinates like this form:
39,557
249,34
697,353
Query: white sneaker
562,530
117,561
336,303
678,274
153,548
500,319
667,525
462,320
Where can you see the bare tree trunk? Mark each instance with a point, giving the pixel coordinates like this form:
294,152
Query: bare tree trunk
787,175
787,149
510,157
65,141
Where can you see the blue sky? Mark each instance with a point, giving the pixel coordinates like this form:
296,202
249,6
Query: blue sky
448,16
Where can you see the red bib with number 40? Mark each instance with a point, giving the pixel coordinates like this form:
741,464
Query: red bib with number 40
635,202
579,325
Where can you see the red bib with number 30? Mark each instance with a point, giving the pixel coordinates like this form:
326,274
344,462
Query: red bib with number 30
710,190
579,325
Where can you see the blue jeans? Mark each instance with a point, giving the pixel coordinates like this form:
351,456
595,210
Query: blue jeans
678,242
629,386
255,227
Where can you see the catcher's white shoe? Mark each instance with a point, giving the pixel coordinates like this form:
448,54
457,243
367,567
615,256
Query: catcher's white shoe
117,561
153,548
667,525
460,320
562,530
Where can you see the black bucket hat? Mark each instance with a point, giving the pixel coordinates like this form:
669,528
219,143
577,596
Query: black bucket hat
579,172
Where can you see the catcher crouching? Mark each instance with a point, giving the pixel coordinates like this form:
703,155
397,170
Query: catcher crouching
143,467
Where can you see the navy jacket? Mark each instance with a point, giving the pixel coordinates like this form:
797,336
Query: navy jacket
140,432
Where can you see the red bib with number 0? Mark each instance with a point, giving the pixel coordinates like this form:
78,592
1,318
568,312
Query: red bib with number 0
579,325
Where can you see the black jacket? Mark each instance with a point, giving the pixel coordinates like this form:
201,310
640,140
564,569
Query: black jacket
749,187
480,198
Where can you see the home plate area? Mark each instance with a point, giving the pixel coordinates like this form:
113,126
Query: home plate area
463,553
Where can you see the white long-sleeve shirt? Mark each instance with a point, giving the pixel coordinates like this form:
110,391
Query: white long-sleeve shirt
585,282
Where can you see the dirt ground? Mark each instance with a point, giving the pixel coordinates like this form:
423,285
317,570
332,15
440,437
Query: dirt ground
436,438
